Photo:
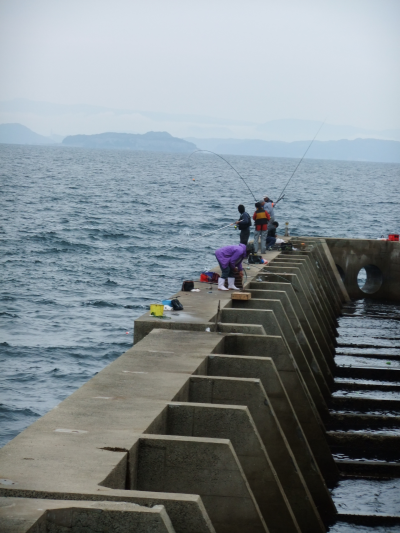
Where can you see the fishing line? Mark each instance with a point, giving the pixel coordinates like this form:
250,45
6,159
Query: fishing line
232,167
298,164
180,243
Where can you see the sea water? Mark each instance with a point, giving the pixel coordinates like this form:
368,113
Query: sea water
90,238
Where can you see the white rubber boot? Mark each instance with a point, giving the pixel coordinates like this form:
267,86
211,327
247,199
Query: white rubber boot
221,284
231,285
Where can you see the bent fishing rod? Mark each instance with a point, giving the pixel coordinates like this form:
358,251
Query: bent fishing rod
232,167
281,196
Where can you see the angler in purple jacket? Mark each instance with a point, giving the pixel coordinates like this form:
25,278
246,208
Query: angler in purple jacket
230,261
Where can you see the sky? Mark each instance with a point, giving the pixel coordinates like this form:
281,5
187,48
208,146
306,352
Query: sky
251,61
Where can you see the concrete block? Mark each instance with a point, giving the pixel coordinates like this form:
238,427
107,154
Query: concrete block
323,340
318,282
316,309
143,327
186,511
253,345
23,515
312,374
263,368
326,251
301,328
208,467
250,393
319,300
235,423
288,296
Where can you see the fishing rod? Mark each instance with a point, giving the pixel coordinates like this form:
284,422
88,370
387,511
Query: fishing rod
281,196
232,167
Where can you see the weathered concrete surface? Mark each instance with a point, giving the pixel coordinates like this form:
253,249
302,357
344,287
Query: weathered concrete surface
280,276
163,426
351,255
254,345
314,283
236,424
310,298
286,294
251,393
315,295
263,368
321,250
20,515
186,511
311,373
178,464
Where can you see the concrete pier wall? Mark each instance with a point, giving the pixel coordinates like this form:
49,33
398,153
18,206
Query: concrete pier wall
214,421
381,260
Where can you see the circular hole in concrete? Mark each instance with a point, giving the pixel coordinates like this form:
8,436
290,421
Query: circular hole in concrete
369,279
341,272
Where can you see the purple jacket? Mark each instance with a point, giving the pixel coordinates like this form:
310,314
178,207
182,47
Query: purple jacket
231,256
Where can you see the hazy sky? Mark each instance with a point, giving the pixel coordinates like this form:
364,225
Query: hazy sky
251,60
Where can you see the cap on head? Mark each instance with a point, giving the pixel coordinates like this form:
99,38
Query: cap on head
241,208
250,248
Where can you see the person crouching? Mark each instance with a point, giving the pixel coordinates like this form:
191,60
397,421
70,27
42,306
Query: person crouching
271,235
230,261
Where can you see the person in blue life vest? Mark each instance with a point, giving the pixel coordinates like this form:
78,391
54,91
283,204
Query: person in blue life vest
244,224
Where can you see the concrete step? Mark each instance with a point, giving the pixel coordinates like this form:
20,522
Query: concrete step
382,374
364,404
364,442
356,386
374,469
352,421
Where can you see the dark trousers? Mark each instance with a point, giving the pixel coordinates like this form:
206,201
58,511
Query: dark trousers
226,272
244,235
270,241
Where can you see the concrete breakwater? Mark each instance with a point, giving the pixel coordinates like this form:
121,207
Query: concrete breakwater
221,419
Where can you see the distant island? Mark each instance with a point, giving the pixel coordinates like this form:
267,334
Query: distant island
374,150
19,134
151,141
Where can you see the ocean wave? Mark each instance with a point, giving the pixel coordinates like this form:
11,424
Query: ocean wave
8,315
99,303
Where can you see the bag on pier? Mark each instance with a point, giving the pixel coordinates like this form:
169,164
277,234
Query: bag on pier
176,305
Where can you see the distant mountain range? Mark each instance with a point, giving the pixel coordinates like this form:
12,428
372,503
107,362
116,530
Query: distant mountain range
151,141
374,150
70,118
19,134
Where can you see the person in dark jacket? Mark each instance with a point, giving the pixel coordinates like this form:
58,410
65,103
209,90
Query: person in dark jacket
260,218
271,235
244,224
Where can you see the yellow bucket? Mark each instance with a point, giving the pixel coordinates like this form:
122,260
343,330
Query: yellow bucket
157,309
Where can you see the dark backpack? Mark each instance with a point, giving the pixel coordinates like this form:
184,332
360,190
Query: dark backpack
254,259
176,304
